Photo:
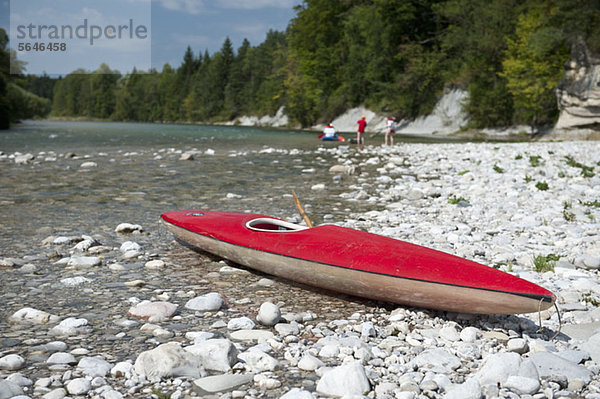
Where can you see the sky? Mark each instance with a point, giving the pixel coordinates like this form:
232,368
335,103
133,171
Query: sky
167,27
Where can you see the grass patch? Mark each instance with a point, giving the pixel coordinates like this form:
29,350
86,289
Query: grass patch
595,204
546,263
535,161
587,297
528,179
586,171
454,200
542,186
498,169
519,156
464,172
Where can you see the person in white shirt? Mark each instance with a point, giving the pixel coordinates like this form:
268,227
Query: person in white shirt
390,130
329,131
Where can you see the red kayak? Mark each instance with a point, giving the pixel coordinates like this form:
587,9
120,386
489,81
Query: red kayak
358,263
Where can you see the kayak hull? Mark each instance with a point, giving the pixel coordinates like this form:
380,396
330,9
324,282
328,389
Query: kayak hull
425,292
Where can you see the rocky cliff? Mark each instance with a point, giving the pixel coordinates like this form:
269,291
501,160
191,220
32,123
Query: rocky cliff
578,96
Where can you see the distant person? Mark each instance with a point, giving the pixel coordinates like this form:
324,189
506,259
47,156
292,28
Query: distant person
390,130
329,131
362,124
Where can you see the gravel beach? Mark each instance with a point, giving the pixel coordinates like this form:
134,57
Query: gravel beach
125,311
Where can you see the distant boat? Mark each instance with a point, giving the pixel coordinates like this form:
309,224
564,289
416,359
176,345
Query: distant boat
358,263
331,138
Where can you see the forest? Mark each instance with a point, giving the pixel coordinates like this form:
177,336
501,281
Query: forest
392,56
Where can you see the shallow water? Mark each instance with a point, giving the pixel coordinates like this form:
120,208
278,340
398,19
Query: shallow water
139,176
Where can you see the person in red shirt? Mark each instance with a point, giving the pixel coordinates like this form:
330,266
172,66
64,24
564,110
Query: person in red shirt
362,124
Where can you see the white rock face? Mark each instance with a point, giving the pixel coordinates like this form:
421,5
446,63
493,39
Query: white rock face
349,379
168,360
447,116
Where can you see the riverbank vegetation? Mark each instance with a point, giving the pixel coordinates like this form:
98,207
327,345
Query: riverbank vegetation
391,56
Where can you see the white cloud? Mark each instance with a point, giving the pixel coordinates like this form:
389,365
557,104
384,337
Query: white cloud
188,6
256,4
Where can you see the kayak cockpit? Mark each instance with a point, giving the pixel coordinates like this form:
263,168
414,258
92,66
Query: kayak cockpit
273,226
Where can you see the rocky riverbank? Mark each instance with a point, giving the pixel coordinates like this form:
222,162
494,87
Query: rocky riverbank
128,312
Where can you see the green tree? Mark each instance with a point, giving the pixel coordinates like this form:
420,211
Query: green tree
533,65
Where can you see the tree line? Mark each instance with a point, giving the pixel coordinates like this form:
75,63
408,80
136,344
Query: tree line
393,56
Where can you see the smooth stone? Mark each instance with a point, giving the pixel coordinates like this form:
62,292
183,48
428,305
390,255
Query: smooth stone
522,385
125,228
469,334
12,362
470,389
215,354
449,333
517,345
206,303
259,361
9,389
251,335
155,264
498,367
240,323
309,362
221,383
168,360
297,393
61,358
74,281
122,370
548,365
130,246
58,393
268,314
19,379
345,380
285,329
583,331
112,394
84,261
30,315
69,326
94,366
497,335
437,360
147,309
592,346
79,386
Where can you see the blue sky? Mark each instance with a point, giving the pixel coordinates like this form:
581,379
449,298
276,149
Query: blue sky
175,24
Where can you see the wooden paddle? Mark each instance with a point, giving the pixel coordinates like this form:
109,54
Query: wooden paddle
301,210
